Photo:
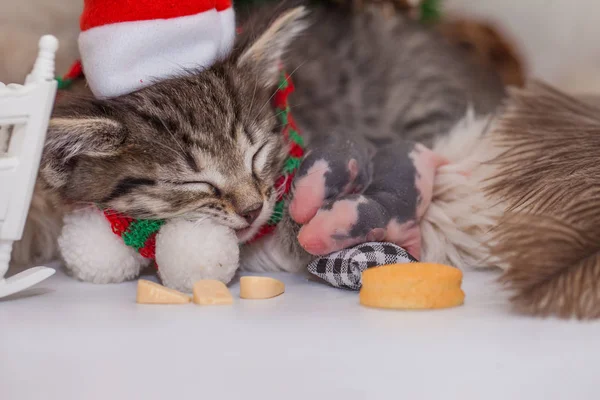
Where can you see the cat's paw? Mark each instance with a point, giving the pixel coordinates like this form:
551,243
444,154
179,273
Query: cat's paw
389,209
326,174
358,219
187,251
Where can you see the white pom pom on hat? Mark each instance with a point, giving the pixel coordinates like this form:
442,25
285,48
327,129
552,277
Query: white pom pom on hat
126,45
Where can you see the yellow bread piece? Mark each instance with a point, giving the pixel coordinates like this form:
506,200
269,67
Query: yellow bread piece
208,292
152,293
412,286
259,287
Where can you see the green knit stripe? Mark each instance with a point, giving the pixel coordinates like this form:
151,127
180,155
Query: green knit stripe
283,117
139,231
282,111
283,82
291,164
277,213
63,83
296,138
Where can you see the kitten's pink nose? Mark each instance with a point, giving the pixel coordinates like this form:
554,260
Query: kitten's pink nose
251,213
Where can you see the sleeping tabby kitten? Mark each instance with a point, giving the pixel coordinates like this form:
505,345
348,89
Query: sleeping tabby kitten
207,143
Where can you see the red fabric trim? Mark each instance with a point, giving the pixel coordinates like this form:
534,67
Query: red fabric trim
149,250
222,5
118,223
284,183
288,183
296,151
282,94
292,123
104,12
280,181
264,231
75,72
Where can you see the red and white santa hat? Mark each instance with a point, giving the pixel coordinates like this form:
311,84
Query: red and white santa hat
126,45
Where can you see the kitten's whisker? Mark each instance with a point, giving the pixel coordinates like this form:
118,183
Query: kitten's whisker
165,146
199,219
268,101
314,172
284,111
85,206
296,69
172,135
304,186
253,94
290,107
275,91
278,126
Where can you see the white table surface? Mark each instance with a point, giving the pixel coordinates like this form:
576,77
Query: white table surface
71,340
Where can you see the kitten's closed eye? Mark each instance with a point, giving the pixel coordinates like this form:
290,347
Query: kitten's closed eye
198,186
256,155
260,158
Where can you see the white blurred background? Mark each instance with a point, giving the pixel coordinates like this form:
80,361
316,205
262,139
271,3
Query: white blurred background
22,22
559,39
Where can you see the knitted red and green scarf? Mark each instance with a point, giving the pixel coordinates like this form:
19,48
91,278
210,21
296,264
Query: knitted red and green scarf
140,234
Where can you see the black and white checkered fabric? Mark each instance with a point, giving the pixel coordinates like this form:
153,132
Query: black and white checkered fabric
343,269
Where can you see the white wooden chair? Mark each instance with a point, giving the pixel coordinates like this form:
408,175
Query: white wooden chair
24,114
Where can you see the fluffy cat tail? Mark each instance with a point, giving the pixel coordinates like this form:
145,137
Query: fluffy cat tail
548,174
554,265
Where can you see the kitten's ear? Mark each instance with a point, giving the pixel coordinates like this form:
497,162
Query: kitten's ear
93,136
71,137
265,54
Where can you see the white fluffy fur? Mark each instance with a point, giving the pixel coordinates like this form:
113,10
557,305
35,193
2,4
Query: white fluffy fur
268,255
93,253
22,23
189,251
460,217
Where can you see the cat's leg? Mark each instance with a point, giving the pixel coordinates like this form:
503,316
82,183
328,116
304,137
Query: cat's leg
388,210
336,167
93,253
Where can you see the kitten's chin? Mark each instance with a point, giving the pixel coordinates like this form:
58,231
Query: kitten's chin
245,234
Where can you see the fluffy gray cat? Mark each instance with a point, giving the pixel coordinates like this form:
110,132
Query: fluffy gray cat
371,90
